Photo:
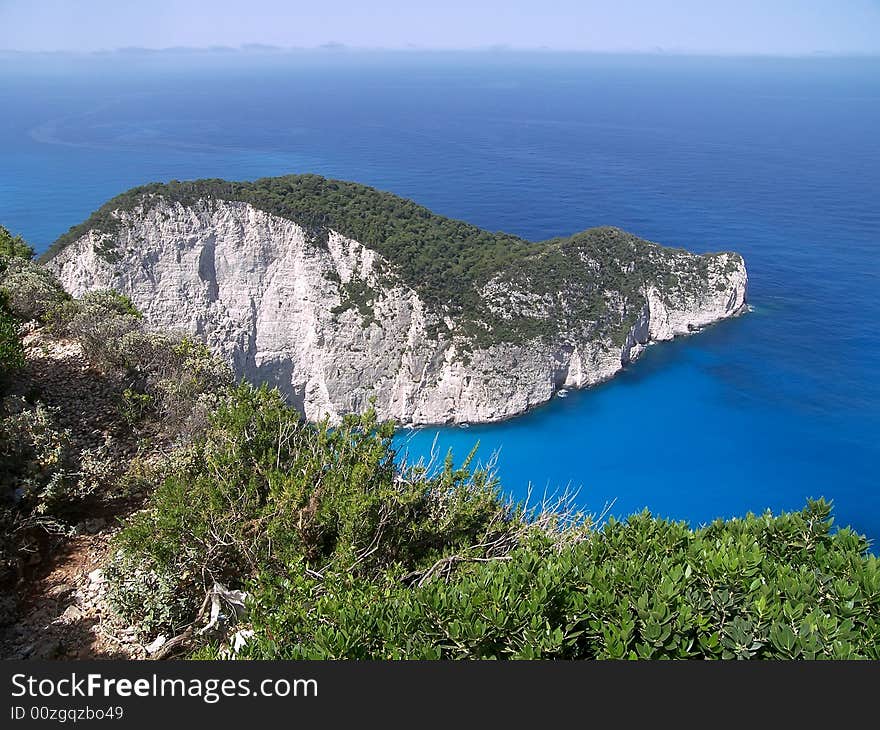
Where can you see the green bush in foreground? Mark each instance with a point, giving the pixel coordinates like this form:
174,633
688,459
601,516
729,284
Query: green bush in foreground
261,491
23,294
14,246
171,377
11,348
40,466
346,555
763,587
101,321
32,292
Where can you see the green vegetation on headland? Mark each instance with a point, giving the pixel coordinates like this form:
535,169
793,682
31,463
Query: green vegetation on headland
345,553
588,280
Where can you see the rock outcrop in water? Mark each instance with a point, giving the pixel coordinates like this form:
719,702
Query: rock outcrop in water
341,295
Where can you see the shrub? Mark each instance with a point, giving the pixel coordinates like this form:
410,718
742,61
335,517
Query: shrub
32,291
135,406
47,483
347,555
100,320
14,246
185,382
110,302
172,378
11,349
146,595
175,380
272,491
9,545
39,466
758,588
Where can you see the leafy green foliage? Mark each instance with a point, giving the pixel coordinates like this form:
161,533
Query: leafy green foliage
139,589
109,301
11,348
261,490
346,555
135,406
358,294
31,291
762,587
14,246
40,468
449,262
101,321
174,379
184,380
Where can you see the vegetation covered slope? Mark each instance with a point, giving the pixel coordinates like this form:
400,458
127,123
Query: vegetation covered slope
449,262
344,552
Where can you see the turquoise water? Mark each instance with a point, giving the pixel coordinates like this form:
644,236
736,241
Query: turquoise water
778,159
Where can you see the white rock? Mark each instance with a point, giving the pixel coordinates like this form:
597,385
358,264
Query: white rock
156,644
262,293
96,577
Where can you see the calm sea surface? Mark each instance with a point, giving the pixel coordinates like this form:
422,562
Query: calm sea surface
777,159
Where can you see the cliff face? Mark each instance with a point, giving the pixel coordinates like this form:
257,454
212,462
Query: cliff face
330,322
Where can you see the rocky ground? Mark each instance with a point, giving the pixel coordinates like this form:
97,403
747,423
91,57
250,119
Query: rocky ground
60,612
58,374
57,610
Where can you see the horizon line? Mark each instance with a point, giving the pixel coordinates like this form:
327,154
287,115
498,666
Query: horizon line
339,48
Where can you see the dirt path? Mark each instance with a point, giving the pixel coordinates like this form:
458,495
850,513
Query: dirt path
56,609
60,612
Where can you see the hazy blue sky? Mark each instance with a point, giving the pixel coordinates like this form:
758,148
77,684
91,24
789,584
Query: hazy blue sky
715,26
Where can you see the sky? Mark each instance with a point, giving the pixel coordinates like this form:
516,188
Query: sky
777,27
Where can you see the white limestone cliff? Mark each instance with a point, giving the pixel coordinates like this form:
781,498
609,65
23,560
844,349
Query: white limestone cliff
272,299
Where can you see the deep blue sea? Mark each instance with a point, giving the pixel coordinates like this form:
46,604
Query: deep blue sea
777,159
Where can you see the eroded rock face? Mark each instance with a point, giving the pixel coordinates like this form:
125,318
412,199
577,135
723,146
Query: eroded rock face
278,304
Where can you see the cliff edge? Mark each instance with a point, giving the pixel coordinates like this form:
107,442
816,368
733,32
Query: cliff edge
342,295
